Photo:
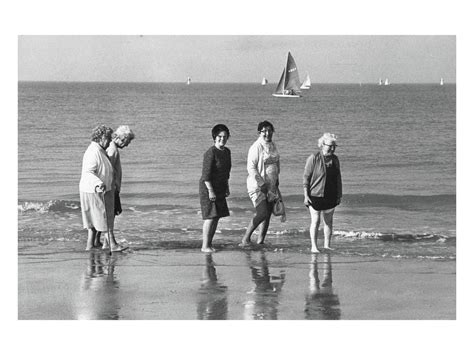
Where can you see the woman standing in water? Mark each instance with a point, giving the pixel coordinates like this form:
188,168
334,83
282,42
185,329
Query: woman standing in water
95,188
214,185
322,186
263,166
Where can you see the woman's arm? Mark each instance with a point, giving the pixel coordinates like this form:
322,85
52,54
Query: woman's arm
207,162
307,174
252,166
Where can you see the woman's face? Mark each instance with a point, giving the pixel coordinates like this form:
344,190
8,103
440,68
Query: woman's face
267,134
221,139
122,142
328,148
105,141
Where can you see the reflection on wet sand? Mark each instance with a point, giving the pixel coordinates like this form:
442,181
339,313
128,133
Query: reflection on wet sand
98,296
263,300
212,296
321,301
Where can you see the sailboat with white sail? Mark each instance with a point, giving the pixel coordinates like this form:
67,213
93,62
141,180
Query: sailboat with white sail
188,81
386,82
289,84
380,81
264,81
441,82
306,83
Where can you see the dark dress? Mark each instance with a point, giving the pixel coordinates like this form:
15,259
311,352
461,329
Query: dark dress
216,167
330,188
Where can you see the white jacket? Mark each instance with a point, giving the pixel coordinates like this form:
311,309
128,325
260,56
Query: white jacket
256,166
96,169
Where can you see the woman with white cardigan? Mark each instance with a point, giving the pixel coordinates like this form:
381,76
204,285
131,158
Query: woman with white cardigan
263,166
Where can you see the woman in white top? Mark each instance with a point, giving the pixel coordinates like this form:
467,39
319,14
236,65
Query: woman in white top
263,166
95,188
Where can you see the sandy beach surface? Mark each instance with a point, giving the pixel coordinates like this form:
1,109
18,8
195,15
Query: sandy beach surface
185,284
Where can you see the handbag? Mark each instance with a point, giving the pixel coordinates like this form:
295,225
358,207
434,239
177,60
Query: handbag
279,207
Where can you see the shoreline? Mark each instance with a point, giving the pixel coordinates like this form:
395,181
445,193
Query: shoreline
186,284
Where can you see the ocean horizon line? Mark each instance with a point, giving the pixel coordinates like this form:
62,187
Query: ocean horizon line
225,82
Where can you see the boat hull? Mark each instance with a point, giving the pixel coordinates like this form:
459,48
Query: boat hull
283,95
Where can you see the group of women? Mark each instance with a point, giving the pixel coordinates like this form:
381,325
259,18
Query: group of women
100,184
322,185
101,180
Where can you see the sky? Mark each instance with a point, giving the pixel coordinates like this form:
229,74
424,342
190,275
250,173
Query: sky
236,58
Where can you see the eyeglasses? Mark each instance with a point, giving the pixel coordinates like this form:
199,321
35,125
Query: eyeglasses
331,145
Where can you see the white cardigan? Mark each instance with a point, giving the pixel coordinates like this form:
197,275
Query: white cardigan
256,166
96,169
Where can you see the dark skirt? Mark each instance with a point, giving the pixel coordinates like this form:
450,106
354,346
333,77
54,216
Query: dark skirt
212,209
322,204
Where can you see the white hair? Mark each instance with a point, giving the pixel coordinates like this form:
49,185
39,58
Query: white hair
124,132
327,138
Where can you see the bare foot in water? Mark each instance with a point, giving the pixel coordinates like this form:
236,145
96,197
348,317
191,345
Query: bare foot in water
315,250
208,250
118,248
328,248
244,244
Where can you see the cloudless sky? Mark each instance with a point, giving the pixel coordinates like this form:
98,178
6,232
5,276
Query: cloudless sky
215,58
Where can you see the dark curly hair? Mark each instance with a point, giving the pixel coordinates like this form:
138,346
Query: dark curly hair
101,131
263,124
218,129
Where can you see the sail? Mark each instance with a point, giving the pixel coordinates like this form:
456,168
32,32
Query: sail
264,81
441,82
280,87
306,82
188,81
292,79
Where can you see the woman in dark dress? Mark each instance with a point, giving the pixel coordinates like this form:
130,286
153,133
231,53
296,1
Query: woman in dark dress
322,188
214,185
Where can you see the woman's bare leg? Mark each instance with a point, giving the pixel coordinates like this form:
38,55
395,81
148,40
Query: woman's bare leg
266,222
327,218
313,228
91,233
260,215
208,229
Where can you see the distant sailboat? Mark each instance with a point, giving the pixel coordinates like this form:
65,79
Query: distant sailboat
306,83
264,81
289,84
188,82
386,82
380,81
441,82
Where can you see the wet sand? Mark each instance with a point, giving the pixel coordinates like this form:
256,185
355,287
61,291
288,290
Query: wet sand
185,284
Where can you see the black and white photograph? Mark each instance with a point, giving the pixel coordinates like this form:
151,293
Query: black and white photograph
292,176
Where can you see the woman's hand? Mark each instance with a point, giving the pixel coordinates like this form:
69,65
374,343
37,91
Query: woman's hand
307,201
212,195
100,188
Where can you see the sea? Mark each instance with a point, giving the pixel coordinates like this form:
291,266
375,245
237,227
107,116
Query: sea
396,145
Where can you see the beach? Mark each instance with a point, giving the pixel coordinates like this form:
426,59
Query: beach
394,231
258,283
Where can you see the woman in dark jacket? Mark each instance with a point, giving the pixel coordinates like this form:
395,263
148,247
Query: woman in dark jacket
322,188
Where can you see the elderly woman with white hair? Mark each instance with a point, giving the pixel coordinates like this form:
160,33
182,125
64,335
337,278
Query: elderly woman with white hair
322,188
121,138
